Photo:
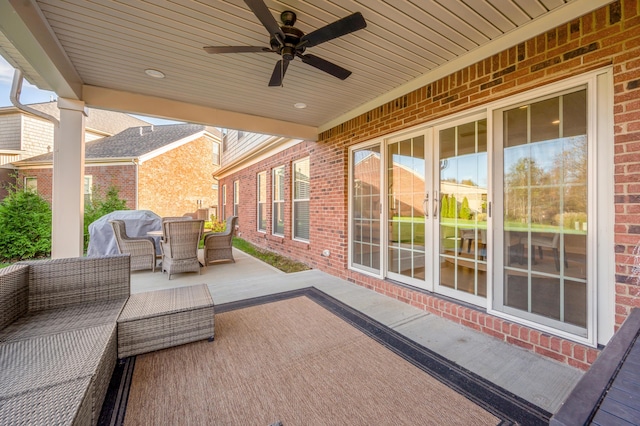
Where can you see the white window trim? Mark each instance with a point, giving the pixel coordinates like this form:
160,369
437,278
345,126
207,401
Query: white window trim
215,156
273,200
262,174
224,203
360,269
25,185
90,193
236,198
293,200
601,257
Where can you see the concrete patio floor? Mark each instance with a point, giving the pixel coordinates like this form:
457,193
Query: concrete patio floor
539,380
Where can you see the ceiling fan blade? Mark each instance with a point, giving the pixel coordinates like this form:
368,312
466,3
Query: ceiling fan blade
278,73
343,26
326,66
264,15
236,49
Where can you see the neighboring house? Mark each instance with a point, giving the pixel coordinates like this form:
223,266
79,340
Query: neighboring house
167,169
24,135
239,147
536,149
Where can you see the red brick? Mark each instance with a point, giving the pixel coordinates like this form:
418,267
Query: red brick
550,354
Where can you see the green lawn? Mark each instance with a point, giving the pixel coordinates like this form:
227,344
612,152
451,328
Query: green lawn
276,260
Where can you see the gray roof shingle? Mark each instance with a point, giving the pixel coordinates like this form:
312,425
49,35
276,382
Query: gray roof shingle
133,142
109,122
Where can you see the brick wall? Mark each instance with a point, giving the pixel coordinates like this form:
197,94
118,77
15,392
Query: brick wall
609,36
172,183
121,176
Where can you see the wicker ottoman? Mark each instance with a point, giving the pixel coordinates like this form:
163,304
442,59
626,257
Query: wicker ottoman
164,318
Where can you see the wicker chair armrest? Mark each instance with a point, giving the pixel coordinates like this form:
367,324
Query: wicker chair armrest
14,293
212,234
134,245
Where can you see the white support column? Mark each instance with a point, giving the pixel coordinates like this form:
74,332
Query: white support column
68,180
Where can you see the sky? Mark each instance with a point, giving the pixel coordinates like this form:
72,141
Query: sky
31,94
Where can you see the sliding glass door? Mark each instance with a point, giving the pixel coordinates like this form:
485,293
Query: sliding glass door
366,208
406,203
545,214
462,218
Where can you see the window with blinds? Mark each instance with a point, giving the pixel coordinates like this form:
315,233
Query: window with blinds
301,200
262,201
277,211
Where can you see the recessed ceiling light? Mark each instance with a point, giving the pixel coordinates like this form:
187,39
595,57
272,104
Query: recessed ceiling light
154,73
300,105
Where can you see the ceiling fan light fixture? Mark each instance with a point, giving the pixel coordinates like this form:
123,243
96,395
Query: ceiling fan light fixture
300,105
154,73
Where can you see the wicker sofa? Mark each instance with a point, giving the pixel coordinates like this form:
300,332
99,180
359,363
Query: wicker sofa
58,337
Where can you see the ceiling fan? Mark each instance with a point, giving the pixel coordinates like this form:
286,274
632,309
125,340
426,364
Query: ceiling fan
289,42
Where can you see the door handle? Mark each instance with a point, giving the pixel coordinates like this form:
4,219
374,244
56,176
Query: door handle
425,205
436,203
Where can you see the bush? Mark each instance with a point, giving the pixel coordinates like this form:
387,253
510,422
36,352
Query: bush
465,211
25,225
100,206
216,226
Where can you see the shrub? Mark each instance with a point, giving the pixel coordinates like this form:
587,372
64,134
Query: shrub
465,211
25,225
215,225
99,206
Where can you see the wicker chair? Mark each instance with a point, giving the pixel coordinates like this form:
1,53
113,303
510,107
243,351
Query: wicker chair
171,219
141,249
217,245
180,248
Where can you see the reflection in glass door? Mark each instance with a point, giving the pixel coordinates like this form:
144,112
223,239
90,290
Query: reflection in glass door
463,210
545,211
406,215
365,208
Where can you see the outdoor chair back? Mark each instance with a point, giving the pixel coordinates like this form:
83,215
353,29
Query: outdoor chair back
172,219
141,249
218,245
180,247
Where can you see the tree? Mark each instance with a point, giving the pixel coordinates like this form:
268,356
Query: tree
444,209
25,225
100,206
453,207
465,211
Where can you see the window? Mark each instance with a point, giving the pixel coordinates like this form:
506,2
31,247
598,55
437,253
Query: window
236,197
366,208
545,211
88,188
277,211
301,200
225,137
262,201
215,148
224,202
31,184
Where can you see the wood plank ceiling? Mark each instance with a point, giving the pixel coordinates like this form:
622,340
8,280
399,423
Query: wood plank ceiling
111,43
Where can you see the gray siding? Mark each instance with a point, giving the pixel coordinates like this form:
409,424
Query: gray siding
10,131
236,147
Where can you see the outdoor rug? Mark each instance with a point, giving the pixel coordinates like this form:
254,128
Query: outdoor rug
304,358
